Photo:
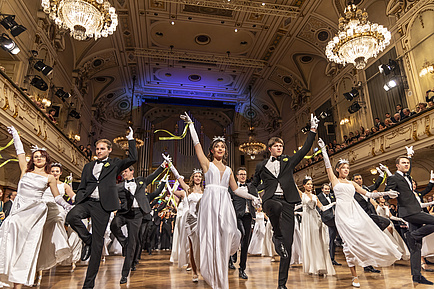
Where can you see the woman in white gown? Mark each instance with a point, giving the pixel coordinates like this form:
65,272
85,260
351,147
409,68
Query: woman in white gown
314,242
255,246
268,246
383,211
22,232
364,243
179,240
219,237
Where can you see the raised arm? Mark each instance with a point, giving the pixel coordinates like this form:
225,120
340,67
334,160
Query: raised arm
378,182
243,192
299,155
410,153
155,174
52,183
324,207
374,195
132,153
331,175
19,148
430,185
203,160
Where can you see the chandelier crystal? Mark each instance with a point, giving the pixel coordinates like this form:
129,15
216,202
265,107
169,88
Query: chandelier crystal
357,39
122,142
84,18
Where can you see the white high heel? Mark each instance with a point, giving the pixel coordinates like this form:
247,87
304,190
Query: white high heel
195,278
357,285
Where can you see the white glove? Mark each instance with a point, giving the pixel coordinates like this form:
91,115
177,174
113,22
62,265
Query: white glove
321,143
171,166
193,132
243,193
380,172
299,206
59,199
130,134
73,198
256,203
393,194
410,151
19,148
314,121
386,169
326,207
393,218
324,153
426,205
432,176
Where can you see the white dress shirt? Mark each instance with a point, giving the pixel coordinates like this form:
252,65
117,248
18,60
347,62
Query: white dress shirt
131,187
96,172
407,179
274,168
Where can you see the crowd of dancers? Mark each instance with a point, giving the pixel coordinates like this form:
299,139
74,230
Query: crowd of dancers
215,210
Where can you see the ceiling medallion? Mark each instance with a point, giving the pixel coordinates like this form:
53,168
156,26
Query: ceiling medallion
252,147
357,39
84,18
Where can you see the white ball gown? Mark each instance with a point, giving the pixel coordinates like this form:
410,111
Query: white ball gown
190,231
296,249
316,257
268,246
178,243
21,233
255,246
219,237
384,211
364,243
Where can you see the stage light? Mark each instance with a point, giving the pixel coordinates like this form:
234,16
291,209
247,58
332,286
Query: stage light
386,69
354,107
42,67
73,113
390,84
8,44
62,94
8,22
39,83
351,94
306,129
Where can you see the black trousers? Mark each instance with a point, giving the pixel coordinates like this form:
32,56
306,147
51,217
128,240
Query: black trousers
281,216
420,225
333,232
244,224
381,222
165,235
141,243
133,220
99,218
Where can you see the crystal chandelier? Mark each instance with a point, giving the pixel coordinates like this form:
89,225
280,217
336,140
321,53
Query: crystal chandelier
357,39
427,67
84,18
252,147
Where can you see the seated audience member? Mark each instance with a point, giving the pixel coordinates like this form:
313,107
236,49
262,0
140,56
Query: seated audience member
399,110
381,127
50,114
422,106
373,130
396,118
378,122
407,113
387,115
346,139
388,122
367,133
429,99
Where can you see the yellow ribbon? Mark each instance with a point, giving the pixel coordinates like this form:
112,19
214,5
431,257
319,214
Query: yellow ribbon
165,170
9,160
173,137
8,145
309,157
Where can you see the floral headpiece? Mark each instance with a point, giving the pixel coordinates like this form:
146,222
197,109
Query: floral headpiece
343,161
195,171
56,165
218,138
36,148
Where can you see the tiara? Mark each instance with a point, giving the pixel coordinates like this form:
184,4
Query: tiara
218,138
307,178
56,165
343,161
195,171
36,148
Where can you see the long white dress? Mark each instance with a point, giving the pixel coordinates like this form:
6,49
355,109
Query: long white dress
21,232
364,243
219,237
268,246
54,237
178,243
255,246
384,211
296,249
316,257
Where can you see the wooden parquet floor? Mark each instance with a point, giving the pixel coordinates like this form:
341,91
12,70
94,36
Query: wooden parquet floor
156,272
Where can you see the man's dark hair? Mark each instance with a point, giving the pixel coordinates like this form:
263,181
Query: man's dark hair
399,158
240,169
355,175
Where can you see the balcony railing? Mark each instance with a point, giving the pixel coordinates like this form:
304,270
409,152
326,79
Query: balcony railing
17,109
384,147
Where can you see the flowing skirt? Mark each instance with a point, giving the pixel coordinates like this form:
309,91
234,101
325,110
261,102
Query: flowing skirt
297,253
219,237
268,246
255,246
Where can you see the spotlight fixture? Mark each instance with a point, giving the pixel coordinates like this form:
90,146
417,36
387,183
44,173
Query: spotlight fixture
8,22
306,129
8,44
351,94
62,94
39,83
354,107
386,69
73,113
390,84
42,67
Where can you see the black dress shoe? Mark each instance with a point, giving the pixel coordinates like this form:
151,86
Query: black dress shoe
280,247
421,280
243,274
282,287
133,268
123,280
231,264
85,252
426,269
371,269
336,263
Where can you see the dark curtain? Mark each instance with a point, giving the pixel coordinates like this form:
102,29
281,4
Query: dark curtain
383,101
